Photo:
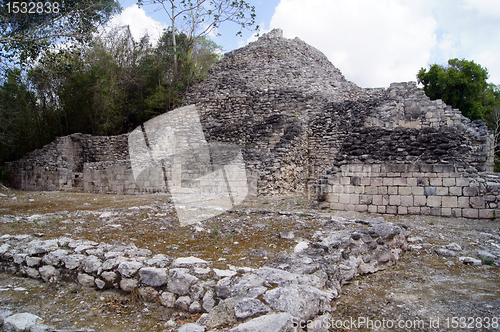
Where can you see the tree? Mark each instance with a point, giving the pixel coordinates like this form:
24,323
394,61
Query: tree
462,84
26,31
200,17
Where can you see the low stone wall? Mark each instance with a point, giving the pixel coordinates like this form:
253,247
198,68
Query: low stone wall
300,286
429,189
109,177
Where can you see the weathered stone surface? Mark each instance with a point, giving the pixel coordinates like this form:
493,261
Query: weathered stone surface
183,303
282,322
179,281
128,268
149,294
20,322
128,285
49,273
73,261
151,276
86,280
301,301
91,264
249,308
167,299
191,328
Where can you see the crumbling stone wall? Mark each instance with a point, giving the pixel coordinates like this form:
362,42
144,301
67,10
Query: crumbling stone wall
296,119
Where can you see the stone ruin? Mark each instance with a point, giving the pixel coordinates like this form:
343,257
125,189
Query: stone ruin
302,126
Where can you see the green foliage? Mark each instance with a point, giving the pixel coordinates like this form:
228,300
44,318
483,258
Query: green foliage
24,36
107,87
462,84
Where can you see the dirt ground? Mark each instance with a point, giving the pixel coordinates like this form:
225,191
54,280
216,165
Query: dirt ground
422,292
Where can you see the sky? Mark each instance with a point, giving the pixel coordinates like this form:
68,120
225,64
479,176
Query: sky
373,42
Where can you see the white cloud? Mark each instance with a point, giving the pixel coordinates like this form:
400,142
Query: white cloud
140,24
376,42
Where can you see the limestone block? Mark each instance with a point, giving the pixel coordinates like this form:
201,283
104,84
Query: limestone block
477,202
411,182
338,206
487,213
377,200
400,181
456,212
470,213
462,182
436,182
337,188
402,210
361,208
430,191
392,190
371,190
388,181
417,191
425,210
434,201
392,209
406,201
449,182
344,198
463,202
348,189
441,191
377,182
334,198
382,190
435,211
449,202
422,182
365,199
404,191
446,212
372,208
455,191
414,210
383,208
345,180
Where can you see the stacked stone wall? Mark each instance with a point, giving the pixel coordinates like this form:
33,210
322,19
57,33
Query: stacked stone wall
429,189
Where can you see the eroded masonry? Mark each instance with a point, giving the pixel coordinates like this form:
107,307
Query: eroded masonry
302,126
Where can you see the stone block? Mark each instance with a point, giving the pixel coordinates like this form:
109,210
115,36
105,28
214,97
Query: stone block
430,175
365,199
411,182
338,207
402,210
425,210
413,210
436,182
462,182
449,202
349,189
471,191
487,213
457,212
392,209
434,201
406,200
446,212
366,181
455,191
372,208
449,182
359,189
470,213
463,202
400,181
393,175
377,200
477,202
361,208
441,191
383,208
354,199
371,190
345,180
388,181
355,181
425,168
377,182
344,198
422,182
404,191
385,199
435,211
429,191
382,190
394,200
337,189
418,191
392,190
333,198
419,200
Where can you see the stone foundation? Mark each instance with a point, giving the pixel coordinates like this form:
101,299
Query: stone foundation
439,190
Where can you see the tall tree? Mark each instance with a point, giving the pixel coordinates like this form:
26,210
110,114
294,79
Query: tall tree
196,18
462,84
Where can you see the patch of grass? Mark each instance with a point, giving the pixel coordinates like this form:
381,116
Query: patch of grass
488,261
303,215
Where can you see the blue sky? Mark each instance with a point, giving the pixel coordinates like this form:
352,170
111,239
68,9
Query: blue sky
373,42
